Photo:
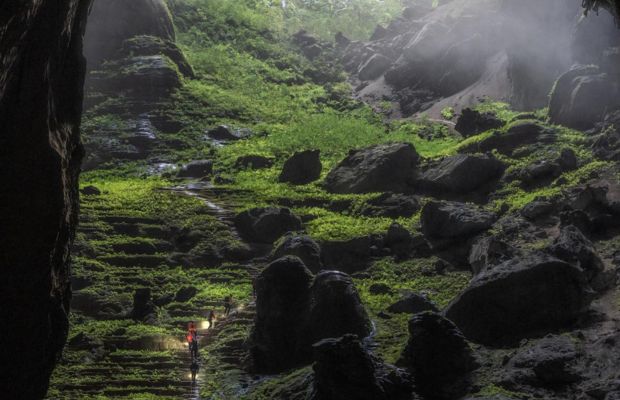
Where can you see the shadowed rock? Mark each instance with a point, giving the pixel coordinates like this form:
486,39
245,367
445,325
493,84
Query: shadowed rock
266,225
391,205
523,297
438,357
412,303
196,169
374,67
386,167
472,122
302,168
301,246
453,220
516,135
343,369
573,247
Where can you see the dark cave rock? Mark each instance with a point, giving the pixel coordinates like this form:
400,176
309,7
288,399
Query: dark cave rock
606,145
537,209
326,320
112,22
472,122
344,369
523,297
143,306
461,174
391,205
146,45
196,169
302,168
438,357
447,220
266,225
399,240
385,167
549,362
379,33
303,38
341,40
540,172
295,310
592,35
90,191
380,288
350,256
374,67
567,160
518,134
253,162
581,96
488,252
40,111
412,303
574,248
185,294
302,246
227,133
282,296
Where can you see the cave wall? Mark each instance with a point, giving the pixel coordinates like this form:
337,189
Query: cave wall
41,80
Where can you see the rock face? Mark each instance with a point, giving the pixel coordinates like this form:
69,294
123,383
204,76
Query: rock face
573,247
295,310
111,22
40,110
302,168
301,246
519,298
374,67
343,369
438,357
449,220
516,135
387,167
461,174
472,122
391,205
266,225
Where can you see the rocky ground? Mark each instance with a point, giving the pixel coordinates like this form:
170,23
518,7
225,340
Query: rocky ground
474,257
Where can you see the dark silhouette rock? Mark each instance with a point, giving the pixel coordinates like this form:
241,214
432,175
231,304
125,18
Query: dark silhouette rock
567,160
526,296
293,311
386,167
391,205
380,288
573,247
147,45
302,168
143,306
40,112
488,252
90,191
472,122
438,357
399,240
412,303
185,294
196,169
227,133
539,173
461,174
343,369
347,255
374,67
301,246
326,320
341,40
537,209
253,162
266,225
282,296
518,134
441,219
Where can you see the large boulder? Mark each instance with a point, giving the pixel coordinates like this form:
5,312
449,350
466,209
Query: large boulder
526,296
412,303
461,174
573,247
282,296
438,357
40,113
380,168
515,135
266,225
196,169
111,22
302,246
146,45
449,220
391,205
295,310
472,122
349,256
581,96
488,252
143,306
344,369
326,320
302,168
374,67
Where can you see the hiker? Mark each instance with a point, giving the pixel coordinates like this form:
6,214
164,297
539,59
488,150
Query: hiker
193,347
191,328
227,304
194,368
211,318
